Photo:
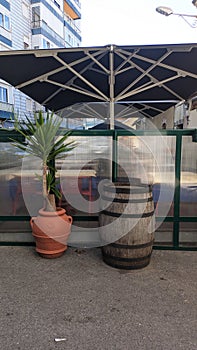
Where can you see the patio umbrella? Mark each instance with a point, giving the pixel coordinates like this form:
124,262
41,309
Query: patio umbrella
151,78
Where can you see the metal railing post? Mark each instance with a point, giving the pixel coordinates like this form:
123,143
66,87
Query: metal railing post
176,224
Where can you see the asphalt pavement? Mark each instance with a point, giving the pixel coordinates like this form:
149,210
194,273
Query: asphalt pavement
77,302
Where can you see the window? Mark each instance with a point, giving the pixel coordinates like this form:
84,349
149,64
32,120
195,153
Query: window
36,15
68,19
26,46
3,94
70,39
4,21
28,104
46,44
25,10
1,19
7,22
26,42
56,3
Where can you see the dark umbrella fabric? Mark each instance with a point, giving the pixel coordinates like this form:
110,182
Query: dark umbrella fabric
151,78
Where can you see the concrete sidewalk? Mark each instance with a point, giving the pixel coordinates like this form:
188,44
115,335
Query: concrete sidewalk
96,307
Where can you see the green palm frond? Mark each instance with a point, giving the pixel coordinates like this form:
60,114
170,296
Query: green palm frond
42,141
41,135
53,185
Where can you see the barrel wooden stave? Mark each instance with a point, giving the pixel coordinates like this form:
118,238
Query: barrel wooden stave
123,226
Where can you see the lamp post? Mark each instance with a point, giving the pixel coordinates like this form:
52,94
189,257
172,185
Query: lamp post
167,11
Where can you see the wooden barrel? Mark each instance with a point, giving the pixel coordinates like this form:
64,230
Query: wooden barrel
126,225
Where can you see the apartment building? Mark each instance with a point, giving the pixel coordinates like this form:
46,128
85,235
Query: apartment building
34,24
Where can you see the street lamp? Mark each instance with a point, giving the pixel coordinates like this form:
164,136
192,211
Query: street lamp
167,11
194,2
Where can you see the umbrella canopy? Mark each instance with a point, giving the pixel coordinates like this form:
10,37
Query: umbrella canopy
151,78
106,126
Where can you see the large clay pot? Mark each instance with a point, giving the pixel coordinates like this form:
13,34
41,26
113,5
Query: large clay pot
51,231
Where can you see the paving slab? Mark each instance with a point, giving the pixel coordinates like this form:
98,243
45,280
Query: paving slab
89,305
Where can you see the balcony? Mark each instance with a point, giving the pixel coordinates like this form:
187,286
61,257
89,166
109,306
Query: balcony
6,111
5,36
71,10
40,27
70,24
78,3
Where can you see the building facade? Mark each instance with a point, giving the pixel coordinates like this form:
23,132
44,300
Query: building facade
34,24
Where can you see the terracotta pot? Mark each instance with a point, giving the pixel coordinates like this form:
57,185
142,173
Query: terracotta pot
51,231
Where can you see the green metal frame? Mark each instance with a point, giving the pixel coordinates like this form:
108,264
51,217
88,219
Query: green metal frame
176,219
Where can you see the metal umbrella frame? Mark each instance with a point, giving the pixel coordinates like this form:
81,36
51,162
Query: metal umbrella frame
150,78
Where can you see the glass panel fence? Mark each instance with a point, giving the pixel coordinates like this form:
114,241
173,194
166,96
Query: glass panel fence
164,234
188,193
11,198
81,171
188,234
18,182
150,159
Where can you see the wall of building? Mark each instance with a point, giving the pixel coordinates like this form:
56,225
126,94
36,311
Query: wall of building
21,24
166,117
192,122
189,120
5,26
50,31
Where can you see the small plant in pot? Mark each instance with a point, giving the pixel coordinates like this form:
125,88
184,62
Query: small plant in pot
52,226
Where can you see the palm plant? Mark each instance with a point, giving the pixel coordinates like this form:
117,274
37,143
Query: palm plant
41,142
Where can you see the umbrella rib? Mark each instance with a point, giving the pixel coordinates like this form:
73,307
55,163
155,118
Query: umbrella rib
124,114
81,77
82,109
126,60
70,110
44,76
156,80
144,72
87,110
66,87
137,91
79,112
153,108
156,63
71,81
41,77
97,62
118,70
144,87
95,112
133,111
163,65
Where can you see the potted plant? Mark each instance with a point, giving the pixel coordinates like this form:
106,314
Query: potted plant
52,226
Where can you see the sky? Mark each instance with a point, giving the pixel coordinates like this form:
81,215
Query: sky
133,22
